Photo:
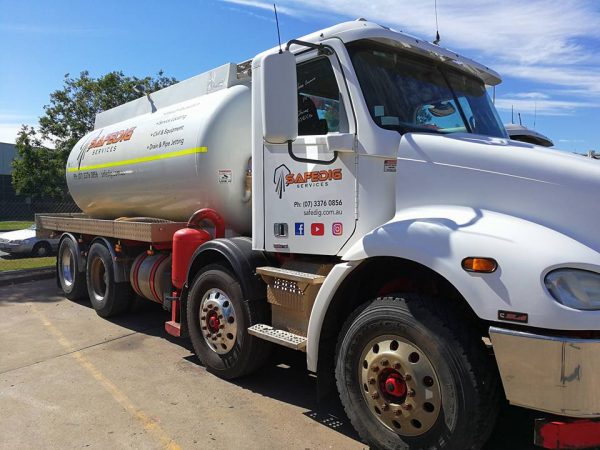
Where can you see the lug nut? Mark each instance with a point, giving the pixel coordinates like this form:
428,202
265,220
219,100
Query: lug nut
204,328
221,326
375,369
218,334
398,412
372,381
385,407
407,377
384,362
204,309
375,395
203,318
411,393
397,366
406,406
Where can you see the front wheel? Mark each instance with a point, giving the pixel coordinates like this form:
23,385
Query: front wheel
409,379
218,320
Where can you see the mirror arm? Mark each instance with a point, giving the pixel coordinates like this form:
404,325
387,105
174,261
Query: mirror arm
323,49
309,160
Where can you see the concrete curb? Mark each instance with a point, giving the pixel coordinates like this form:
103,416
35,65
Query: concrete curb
22,276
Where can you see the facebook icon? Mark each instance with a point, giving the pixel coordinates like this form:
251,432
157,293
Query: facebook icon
299,229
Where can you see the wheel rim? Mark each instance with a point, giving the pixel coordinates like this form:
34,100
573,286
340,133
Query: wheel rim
218,321
99,279
67,264
400,385
42,251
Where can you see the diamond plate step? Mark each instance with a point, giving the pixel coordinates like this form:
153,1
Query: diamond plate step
294,275
280,337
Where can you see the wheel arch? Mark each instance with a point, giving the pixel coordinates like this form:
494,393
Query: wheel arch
375,277
237,255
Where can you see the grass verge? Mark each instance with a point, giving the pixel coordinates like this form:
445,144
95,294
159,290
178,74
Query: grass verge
26,263
14,225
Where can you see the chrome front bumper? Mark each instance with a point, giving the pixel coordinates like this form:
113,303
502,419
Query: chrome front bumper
552,374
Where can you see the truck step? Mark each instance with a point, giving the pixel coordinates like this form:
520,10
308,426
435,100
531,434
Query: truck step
280,337
293,275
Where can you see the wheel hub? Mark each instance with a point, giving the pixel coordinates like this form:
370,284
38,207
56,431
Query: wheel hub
213,321
68,267
218,321
394,385
400,385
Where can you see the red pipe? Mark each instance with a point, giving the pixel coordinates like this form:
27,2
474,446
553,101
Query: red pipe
212,216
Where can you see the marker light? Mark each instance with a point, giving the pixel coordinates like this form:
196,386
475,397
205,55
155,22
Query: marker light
479,264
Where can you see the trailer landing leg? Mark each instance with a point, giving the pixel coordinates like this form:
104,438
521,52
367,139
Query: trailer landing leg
574,434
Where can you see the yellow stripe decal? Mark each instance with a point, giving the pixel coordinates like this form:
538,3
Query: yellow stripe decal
143,159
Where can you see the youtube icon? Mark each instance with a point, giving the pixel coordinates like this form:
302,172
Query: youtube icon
317,229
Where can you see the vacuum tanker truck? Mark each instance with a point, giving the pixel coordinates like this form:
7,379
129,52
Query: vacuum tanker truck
354,196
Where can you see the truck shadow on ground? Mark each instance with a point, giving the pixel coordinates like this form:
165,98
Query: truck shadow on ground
285,378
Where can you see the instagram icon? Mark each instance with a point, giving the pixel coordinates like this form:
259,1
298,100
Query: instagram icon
337,229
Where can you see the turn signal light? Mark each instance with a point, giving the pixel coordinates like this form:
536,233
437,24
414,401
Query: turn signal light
480,265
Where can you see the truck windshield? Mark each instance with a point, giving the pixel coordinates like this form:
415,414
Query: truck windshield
407,93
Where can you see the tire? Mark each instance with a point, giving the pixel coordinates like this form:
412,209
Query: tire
218,319
70,276
399,361
41,249
107,297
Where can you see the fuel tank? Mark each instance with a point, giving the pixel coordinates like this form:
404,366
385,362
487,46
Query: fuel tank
169,163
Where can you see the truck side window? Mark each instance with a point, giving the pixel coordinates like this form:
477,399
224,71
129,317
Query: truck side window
318,98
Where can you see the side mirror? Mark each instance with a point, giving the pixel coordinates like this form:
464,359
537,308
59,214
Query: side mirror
279,91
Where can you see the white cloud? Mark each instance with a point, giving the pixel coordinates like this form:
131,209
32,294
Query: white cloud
532,95
550,43
267,6
9,131
542,107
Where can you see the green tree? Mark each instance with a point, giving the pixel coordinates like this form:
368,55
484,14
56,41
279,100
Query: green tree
39,169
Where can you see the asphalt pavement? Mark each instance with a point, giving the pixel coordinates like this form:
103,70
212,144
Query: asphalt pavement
69,379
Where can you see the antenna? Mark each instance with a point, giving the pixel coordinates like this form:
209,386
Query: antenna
520,121
437,28
512,113
277,22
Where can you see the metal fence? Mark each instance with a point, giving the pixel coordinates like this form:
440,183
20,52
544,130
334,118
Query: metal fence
20,249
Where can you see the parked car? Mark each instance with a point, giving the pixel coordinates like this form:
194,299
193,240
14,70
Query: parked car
24,242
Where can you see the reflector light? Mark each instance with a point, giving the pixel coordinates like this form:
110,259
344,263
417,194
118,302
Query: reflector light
479,264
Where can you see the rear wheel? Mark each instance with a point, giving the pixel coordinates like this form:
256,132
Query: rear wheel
411,379
108,298
70,276
218,320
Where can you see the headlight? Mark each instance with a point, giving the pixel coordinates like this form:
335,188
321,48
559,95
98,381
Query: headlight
575,288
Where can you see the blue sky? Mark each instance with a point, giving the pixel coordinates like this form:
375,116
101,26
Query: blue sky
548,52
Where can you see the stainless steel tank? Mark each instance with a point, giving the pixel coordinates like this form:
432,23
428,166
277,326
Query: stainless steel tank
169,163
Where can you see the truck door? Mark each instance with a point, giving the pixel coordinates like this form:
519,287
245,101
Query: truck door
310,195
